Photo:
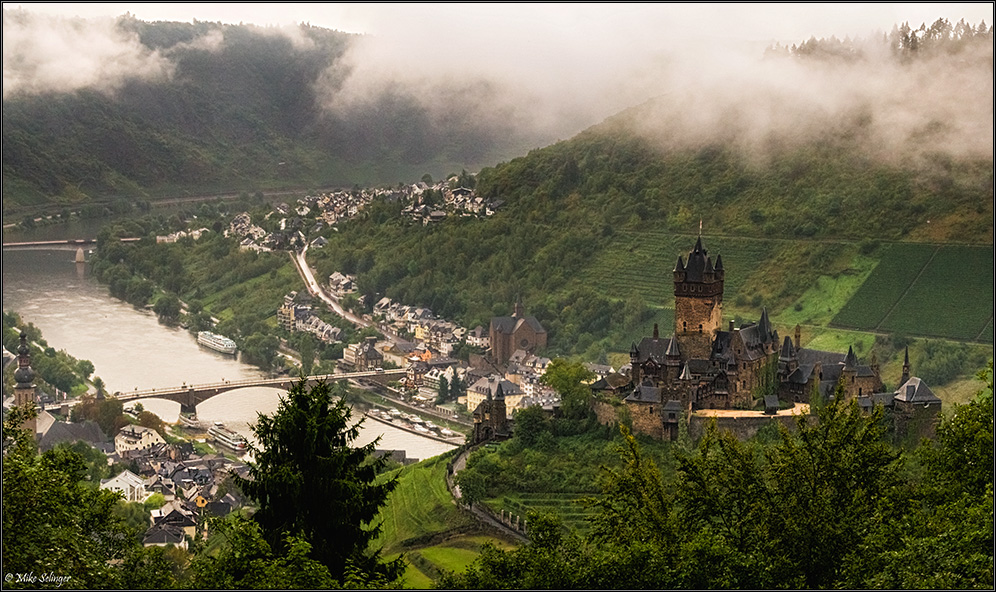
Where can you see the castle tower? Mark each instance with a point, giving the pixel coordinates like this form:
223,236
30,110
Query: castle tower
24,387
698,301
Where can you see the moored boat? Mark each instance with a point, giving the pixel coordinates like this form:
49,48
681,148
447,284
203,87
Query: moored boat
227,438
218,343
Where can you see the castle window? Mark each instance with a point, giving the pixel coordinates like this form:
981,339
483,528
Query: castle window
684,326
700,327
859,392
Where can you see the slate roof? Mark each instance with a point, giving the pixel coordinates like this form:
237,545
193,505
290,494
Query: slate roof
162,534
673,405
656,349
698,264
645,393
915,391
508,325
60,431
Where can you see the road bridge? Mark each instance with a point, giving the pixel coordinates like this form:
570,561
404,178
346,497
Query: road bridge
191,395
68,244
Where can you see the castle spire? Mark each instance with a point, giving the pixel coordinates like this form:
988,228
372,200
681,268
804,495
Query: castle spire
906,367
656,333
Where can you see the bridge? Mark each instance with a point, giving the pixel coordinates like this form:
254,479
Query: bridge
191,395
68,244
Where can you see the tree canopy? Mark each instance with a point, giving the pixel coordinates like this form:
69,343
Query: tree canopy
312,485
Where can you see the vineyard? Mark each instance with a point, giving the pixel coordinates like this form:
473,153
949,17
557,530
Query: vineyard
925,290
567,506
896,270
641,263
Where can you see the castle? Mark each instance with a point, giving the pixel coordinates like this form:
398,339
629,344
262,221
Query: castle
703,366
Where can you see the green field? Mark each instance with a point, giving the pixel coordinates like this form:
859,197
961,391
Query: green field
420,506
641,262
897,268
953,297
925,290
573,515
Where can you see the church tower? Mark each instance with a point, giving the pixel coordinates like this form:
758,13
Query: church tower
698,301
24,387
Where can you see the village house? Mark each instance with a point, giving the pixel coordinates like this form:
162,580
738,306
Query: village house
134,438
128,484
363,356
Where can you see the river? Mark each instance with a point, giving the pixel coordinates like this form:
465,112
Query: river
131,350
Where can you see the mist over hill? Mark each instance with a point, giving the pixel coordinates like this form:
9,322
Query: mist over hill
165,107
122,107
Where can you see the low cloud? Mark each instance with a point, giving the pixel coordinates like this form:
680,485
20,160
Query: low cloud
43,53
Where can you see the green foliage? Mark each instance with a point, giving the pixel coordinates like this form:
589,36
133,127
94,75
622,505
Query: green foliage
52,522
248,561
826,506
309,483
570,380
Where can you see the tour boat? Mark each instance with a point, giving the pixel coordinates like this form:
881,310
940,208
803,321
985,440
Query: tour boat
218,343
189,420
227,437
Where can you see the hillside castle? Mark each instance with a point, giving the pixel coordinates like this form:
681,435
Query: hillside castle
703,366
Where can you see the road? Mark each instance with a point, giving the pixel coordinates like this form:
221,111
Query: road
316,289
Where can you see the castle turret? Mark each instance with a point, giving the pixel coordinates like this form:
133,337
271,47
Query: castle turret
698,302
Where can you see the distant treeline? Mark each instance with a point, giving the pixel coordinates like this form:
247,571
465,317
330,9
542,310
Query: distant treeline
903,42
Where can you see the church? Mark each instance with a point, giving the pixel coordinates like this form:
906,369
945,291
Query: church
703,365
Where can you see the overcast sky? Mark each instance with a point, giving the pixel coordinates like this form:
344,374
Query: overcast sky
553,23
556,68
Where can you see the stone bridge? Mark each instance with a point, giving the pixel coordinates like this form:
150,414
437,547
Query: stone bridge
191,395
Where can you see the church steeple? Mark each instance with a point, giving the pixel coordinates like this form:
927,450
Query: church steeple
24,385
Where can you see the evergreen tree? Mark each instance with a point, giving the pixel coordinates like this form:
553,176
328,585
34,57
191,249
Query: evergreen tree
311,484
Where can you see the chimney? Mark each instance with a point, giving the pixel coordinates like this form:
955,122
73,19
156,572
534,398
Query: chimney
798,338
656,334
731,325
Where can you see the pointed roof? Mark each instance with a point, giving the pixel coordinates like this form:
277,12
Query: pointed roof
764,326
851,361
686,374
788,349
719,263
499,393
680,265
672,348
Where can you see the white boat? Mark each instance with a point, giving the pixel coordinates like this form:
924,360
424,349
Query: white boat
189,420
227,438
421,430
218,343
446,432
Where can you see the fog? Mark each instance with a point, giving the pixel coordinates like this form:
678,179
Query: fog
546,72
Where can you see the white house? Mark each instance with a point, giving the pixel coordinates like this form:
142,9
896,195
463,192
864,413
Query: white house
135,437
128,484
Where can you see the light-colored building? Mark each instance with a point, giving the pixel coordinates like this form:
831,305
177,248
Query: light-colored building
135,437
128,484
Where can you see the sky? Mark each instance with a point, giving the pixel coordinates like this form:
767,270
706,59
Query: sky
554,68
553,23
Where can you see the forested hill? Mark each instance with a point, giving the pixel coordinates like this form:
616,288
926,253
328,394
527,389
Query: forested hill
238,110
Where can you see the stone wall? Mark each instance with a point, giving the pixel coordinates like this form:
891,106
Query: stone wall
689,313
743,427
647,419
605,413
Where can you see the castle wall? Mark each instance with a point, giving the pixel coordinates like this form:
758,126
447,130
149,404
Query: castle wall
647,419
605,413
690,313
742,427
